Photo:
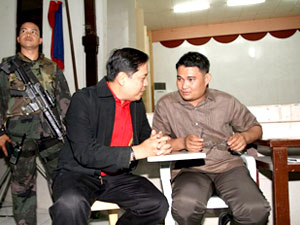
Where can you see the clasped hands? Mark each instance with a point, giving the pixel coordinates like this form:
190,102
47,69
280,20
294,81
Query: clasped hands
155,145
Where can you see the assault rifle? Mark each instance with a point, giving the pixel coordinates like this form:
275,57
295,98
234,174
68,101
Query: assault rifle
40,98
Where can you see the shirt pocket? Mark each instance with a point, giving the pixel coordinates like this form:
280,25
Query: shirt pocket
15,84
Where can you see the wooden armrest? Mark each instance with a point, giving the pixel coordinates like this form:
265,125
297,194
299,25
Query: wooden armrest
279,142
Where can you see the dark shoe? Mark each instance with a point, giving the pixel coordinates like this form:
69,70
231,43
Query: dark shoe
225,218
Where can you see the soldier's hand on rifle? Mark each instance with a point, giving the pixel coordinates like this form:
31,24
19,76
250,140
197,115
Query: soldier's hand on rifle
3,139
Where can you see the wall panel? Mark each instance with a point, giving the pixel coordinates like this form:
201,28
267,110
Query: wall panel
260,72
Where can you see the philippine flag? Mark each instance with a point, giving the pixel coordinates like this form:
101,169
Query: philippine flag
57,42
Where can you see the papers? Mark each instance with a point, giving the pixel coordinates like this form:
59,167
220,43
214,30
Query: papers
293,160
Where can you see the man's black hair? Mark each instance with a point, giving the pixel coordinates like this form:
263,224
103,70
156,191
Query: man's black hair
191,59
125,60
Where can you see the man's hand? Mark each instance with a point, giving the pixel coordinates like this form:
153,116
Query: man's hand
193,143
3,139
237,142
157,144
163,147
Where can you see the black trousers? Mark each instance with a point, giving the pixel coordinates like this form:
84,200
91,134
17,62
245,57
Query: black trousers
192,189
74,193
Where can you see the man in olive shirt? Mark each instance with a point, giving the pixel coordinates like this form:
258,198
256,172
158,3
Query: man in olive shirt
197,119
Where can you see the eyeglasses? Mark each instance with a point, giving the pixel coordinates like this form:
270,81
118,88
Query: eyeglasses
222,145
210,142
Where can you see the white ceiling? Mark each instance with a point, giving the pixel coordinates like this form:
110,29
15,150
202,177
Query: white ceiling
158,14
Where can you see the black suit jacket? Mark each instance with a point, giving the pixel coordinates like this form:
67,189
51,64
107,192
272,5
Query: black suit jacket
90,121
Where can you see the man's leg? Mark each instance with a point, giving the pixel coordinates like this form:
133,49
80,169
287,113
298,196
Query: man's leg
73,195
245,200
48,153
143,203
191,191
23,185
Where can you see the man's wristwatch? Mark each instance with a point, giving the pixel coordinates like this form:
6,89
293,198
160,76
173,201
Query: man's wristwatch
132,154
2,130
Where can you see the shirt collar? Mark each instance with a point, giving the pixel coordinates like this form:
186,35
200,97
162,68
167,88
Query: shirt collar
209,95
118,101
26,59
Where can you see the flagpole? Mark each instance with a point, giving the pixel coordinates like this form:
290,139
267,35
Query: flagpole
72,46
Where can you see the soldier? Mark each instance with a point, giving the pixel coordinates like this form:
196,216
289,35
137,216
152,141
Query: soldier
18,119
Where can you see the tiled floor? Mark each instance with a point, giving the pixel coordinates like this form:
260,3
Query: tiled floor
43,217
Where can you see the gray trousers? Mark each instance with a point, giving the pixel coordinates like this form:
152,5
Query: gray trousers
192,189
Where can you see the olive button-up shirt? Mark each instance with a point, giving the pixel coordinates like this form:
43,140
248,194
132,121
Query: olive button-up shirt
215,119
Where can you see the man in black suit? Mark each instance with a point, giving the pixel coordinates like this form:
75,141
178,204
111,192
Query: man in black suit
107,131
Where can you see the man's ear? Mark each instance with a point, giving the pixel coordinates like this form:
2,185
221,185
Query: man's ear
18,39
207,78
41,40
121,78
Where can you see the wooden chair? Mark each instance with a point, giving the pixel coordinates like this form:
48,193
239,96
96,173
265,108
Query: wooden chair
281,139
111,208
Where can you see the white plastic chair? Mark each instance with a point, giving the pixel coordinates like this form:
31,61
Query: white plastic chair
214,202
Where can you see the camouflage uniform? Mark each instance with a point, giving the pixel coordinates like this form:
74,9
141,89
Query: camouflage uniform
39,139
